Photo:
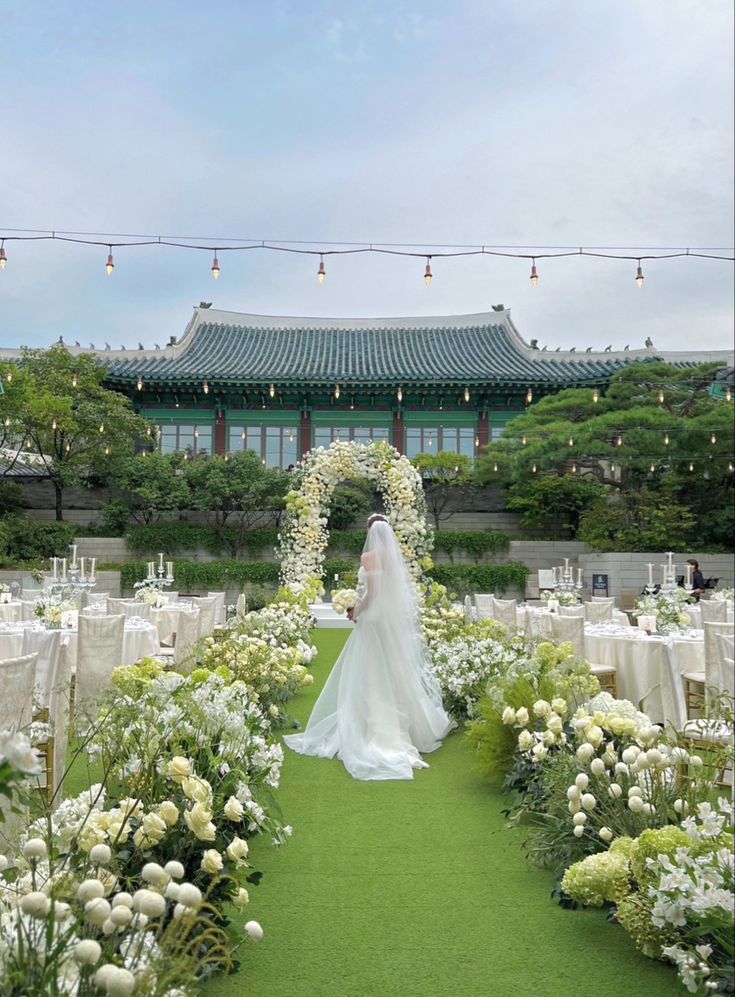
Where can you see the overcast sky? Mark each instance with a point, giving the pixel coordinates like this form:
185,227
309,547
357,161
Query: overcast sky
535,122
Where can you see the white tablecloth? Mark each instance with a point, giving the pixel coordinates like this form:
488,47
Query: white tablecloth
640,660
535,621
139,641
166,618
11,611
695,614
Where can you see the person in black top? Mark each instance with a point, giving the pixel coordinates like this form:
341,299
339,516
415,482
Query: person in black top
697,579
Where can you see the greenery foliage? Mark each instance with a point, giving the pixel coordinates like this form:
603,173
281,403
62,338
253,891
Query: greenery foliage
351,501
24,540
448,477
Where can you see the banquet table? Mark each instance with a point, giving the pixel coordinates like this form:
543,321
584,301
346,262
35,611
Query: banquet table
166,618
140,639
695,614
12,611
640,661
535,621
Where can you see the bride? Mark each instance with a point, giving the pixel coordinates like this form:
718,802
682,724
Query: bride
381,704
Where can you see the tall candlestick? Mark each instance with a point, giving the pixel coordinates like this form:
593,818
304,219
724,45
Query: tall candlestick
93,569
579,576
170,569
151,569
73,548
81,570
566,564
689,574
54,561
63,569
650,575
160,562
664,569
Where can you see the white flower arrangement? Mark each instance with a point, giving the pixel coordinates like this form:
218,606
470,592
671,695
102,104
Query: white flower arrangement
344,599
728,594
669,610
49,610
562,598
303,539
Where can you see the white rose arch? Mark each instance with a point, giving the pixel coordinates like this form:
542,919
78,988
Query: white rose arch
304,537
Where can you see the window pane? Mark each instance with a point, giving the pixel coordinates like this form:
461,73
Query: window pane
204,441
449,440
467,442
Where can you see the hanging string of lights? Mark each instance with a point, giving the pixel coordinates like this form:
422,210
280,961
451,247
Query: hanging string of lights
219,245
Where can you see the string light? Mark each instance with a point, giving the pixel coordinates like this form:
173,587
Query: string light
661,396
107,449
691,466
728,394
524,441
619,441
534,468
427,272
666,439
534,274
215,266
495,467
205,388
74,379
653,468
54,424
574,468
729,466
571,441
147,430
196,434
139,383
612,469
110,265
321,272
272,391
595,396
9,376
466,394
3,257
336,392
639,278
477,441
399,394
242,435
529,397
713,439
7,420
102,427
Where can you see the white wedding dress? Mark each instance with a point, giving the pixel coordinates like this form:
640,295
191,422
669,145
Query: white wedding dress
381,704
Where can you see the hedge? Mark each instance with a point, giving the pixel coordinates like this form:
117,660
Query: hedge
177,537
197,576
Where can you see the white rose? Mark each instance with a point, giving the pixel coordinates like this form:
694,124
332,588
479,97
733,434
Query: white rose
540,752
559,705
234,810
197,789
541,708
199,822
168,812
509,715
211,861
35,904
241,899
87,952
179,768
522,717
594,735
254,930
585,752
237,850
526,740
606,834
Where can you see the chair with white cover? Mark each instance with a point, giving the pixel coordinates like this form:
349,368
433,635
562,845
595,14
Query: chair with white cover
468,610
129,608
242,604
570,629
484,606
171,597
713,611
505,611
207,606
99,651
11,612
220,612
598,612
572,611
52,659
695,683
59,718
29,608
46,645
603,598
17,678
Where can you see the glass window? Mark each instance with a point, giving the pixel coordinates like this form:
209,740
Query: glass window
325,435
277,446
432,439
180,438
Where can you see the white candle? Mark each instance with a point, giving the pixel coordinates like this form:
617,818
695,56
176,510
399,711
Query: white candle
63,569
54,561
566,564
93,569
689,574
73,548
169,569
670,556
151,568
579,576
81,568
664,568
336,577
650,575
160,562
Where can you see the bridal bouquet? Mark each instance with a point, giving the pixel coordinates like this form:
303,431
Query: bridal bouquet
344,599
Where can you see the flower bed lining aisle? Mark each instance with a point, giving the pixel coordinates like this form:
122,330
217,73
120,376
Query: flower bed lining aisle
415,888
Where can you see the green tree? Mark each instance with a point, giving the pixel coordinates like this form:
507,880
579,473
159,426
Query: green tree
555,501
448,478
643,434
152,484
349,501
59,410
235,491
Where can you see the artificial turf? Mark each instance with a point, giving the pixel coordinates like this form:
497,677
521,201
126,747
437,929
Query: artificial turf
416,889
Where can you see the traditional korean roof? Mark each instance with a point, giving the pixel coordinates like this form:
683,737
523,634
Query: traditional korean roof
229,349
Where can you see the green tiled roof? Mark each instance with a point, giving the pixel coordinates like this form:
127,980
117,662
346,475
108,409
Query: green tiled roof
229,349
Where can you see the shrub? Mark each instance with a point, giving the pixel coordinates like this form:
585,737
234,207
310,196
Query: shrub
26,540
11,498
351,500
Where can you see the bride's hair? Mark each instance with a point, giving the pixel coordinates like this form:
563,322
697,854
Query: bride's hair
376,518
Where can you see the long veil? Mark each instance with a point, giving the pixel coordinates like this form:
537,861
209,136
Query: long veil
381,704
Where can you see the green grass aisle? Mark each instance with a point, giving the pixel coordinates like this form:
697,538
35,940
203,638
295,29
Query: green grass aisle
415,889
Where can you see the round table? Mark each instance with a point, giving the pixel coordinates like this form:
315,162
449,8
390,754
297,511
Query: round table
139,641
535,621
166,618
11,612
640,660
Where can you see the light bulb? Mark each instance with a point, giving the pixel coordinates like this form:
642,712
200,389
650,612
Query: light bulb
54,424
534,275
612,469
691,466
574,468
321,272
147,430
139,384
571,441
619,441
68,447
215,266
427,272
639,278
653,468
7,420
661,397
529,397
713,439
495,467
205,388
466,394
336,392
666,439
242,435
74,379
477,441
102,427
729,466
110,265
728,394
399,394
534,468
524,441
272,391
186,455
3,258
227,457
9,378
196,434
107,450
595,396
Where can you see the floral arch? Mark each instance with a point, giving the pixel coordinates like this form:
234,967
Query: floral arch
304,537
